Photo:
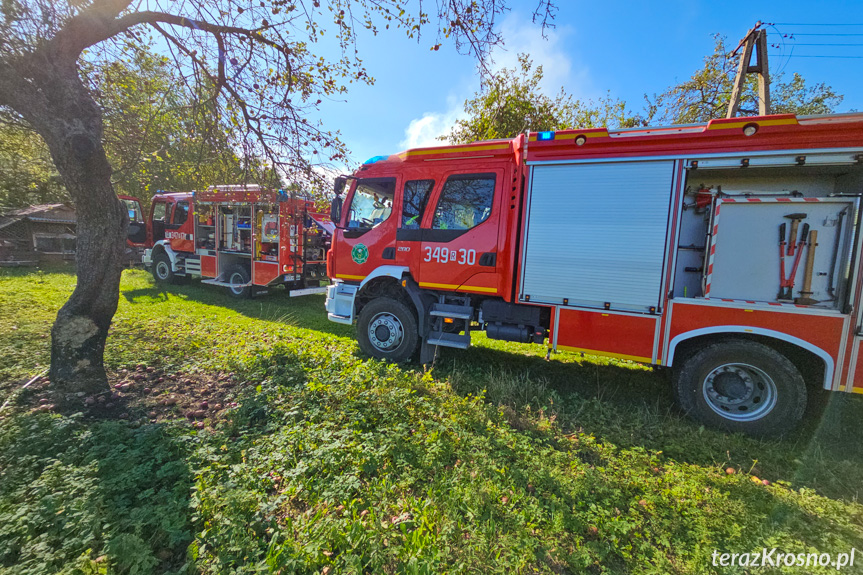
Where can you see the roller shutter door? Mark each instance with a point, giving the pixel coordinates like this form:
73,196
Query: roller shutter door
596,234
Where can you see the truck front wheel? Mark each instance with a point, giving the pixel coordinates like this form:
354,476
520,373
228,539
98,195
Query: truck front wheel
162,271
741,385
387,329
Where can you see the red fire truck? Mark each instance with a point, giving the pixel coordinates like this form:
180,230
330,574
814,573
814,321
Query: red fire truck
727,251
245,238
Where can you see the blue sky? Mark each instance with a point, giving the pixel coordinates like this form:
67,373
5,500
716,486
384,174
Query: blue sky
626,48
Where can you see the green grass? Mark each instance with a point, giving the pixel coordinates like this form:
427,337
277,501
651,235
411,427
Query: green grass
493,461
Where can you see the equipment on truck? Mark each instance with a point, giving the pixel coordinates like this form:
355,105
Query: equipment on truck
806,293
786,284
583,239
242,237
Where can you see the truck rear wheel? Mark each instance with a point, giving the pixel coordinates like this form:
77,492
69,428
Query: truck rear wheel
387,329
162,271
741,385
237,275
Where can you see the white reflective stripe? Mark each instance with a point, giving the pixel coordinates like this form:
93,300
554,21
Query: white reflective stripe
385,271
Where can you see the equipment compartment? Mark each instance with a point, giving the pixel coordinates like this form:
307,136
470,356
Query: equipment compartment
745,207
744,262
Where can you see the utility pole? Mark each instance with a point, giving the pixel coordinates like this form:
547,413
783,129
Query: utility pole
755,40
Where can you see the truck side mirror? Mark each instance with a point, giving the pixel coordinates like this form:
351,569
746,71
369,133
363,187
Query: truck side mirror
339,185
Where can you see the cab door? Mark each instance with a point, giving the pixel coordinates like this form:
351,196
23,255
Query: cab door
136,235
370,228
460,234
160,214
416,193
179,227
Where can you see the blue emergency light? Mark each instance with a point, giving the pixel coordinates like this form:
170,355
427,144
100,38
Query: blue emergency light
375,159
544,136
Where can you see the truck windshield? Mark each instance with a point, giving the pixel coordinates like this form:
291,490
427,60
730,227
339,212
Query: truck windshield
372,202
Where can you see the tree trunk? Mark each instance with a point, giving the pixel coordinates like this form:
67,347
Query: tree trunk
70,122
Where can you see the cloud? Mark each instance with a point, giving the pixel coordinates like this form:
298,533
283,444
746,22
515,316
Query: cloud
559,68
423,132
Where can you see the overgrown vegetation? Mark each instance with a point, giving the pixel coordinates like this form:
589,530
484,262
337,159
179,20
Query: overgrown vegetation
157,137
512,101
493,461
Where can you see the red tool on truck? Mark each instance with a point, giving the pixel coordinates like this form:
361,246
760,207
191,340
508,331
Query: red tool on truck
245,238
586,240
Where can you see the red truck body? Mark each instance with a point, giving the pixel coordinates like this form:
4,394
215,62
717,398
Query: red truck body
239,237
658,245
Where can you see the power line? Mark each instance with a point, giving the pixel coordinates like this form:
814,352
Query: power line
787,43
811,24
792,34
781,44
810,56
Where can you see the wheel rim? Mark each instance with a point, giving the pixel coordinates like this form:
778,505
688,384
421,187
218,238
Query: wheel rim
740,392
163,271
237,279
386,331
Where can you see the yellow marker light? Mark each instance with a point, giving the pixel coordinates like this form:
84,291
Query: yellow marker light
448,320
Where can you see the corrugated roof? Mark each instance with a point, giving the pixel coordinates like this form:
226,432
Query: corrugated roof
46,213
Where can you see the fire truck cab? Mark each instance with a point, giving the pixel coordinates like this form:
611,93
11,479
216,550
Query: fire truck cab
728,251
244,238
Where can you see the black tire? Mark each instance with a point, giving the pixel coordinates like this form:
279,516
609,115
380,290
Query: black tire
741,386
162,271
387,329
239,274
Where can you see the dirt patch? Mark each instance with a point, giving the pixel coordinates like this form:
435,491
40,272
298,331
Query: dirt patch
149,394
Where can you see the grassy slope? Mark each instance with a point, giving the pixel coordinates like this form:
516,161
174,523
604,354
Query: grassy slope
494,461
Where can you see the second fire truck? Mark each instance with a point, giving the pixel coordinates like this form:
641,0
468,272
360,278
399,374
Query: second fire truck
244,238
727,251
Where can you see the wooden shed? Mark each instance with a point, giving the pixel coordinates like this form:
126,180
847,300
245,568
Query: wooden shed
39,233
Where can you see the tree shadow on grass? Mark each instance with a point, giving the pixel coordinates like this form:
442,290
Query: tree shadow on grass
630,405
277,306
92,494
146,295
